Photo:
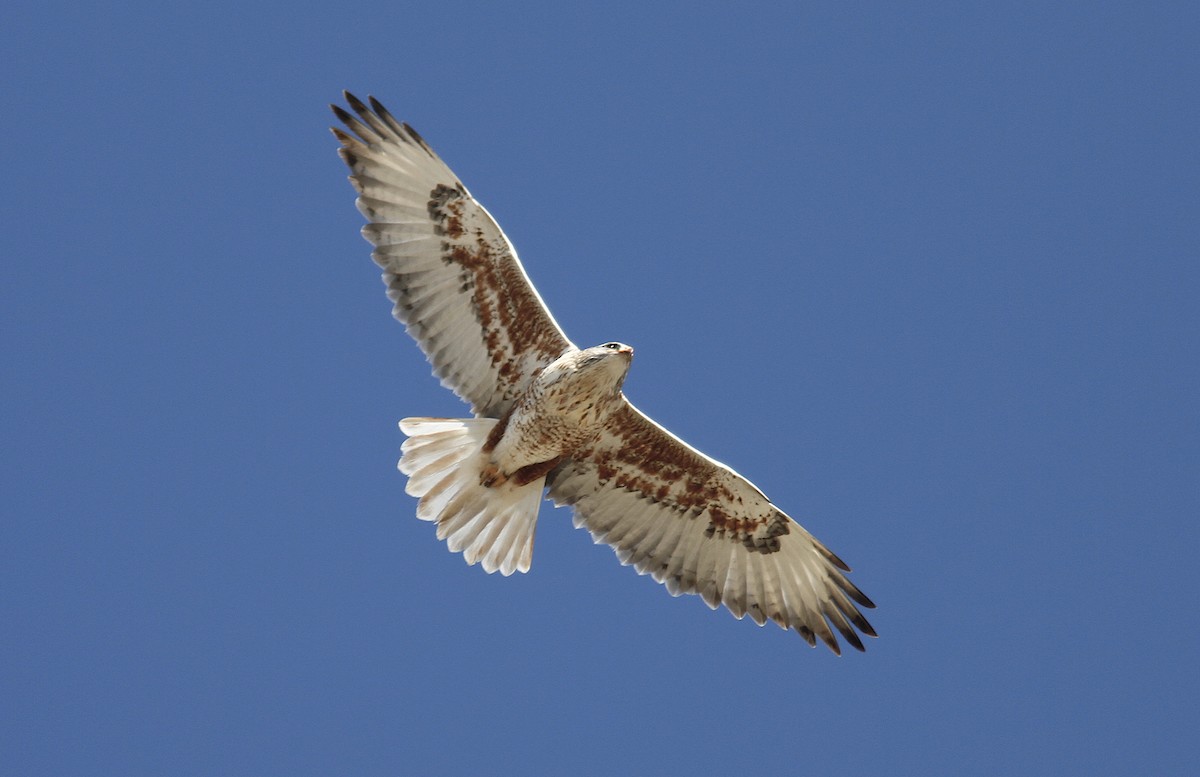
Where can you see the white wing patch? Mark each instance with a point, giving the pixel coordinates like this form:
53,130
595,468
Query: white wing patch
700,528
453,276
668,510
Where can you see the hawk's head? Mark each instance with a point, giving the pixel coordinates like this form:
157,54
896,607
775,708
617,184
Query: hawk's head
604,363
612,355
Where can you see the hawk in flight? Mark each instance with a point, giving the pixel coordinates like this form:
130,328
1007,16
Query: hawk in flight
551,417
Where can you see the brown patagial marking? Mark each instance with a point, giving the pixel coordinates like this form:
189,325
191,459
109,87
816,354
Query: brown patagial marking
646,462
501,298
477,277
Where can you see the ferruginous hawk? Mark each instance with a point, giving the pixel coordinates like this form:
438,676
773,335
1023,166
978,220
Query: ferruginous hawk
549,415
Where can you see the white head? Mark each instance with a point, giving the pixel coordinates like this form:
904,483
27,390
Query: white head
603,364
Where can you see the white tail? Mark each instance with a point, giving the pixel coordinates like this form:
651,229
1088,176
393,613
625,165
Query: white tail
443,458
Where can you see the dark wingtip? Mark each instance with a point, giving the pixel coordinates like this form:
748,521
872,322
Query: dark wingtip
853,639
382,112
831,641
862,624
416,136
834,616
852,591
377,106
858,596
356,104
835,560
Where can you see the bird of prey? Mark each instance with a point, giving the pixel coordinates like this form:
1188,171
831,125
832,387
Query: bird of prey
551,417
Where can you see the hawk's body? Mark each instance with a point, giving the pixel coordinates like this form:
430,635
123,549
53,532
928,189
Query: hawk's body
564,409
549,415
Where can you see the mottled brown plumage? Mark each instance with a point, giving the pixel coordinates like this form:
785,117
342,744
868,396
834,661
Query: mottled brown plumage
552,416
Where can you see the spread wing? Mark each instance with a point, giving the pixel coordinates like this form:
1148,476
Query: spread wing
698,527
454,277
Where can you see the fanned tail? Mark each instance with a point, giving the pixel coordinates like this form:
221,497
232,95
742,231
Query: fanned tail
443,458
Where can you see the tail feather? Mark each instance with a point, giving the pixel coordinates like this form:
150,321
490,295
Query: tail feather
434,500
514,543
423,480
493,525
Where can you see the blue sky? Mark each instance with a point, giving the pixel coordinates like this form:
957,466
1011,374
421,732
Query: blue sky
925,272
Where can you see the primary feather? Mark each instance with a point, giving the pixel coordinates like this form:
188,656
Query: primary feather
550,416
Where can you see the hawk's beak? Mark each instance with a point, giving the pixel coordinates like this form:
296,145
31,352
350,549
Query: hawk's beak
625,349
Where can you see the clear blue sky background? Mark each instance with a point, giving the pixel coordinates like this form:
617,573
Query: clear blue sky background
925,272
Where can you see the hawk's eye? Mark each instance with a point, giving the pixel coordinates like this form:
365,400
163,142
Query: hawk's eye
612,346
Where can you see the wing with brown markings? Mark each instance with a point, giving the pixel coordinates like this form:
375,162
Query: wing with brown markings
453,276
698,527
